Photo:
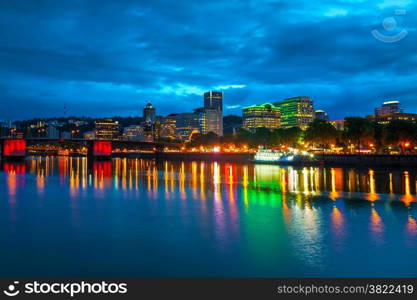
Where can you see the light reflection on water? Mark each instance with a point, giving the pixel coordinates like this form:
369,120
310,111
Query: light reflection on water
216,219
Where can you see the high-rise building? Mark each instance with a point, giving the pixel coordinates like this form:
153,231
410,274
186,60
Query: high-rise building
213,100
296,112
389,107
149,114
212,115
106,129
186,124
321,115
262,115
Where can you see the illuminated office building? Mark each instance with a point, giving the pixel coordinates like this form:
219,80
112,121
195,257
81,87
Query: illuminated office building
262,115
387,118
149,114
168,127
296,112
389,107
186,124
211,118
133,133
106,129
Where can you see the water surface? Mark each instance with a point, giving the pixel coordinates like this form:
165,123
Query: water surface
127,217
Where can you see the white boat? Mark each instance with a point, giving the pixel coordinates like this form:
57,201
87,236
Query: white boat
267,155
272,156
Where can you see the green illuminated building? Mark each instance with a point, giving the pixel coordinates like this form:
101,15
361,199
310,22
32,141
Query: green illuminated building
296,112
261,115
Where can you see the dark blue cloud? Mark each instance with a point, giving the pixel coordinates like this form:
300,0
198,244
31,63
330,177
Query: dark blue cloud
104,58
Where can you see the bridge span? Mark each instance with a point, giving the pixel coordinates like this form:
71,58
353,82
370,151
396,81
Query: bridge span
14,149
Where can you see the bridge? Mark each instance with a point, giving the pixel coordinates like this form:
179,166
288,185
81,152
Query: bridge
15,149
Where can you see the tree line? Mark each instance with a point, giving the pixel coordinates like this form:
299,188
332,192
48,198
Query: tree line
358,133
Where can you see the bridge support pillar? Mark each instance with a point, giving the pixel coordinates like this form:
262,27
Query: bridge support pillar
100,150
13,149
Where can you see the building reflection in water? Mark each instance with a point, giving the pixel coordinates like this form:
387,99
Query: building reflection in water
372,196
412,226
227,192
407,198
129,174
14,178
338,226
377,227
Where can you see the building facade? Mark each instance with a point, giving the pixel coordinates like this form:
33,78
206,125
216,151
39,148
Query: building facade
321,115
296,112
168,128
387,118
106,129
149,113
338,124
262,115
133,133
212,115
52,132
186,124
389,107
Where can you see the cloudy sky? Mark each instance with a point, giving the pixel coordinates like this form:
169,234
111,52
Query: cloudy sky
109,57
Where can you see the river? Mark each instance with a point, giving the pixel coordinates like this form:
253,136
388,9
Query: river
141,218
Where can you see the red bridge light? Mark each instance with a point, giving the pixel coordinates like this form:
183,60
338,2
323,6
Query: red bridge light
102,148
14,168
102,168
14,147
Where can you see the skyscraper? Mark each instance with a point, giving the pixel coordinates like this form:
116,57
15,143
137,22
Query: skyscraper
296,112
212,115
149,113
389,107
262,115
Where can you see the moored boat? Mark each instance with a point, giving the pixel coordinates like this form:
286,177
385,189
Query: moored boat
270,156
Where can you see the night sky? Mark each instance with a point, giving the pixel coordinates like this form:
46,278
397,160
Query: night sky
106,58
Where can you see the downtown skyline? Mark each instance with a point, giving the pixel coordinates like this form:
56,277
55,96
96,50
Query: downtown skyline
105,59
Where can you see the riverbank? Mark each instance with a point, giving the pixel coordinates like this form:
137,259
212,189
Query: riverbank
191,156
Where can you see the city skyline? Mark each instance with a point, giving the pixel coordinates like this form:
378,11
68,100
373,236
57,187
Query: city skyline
100,59
139,111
